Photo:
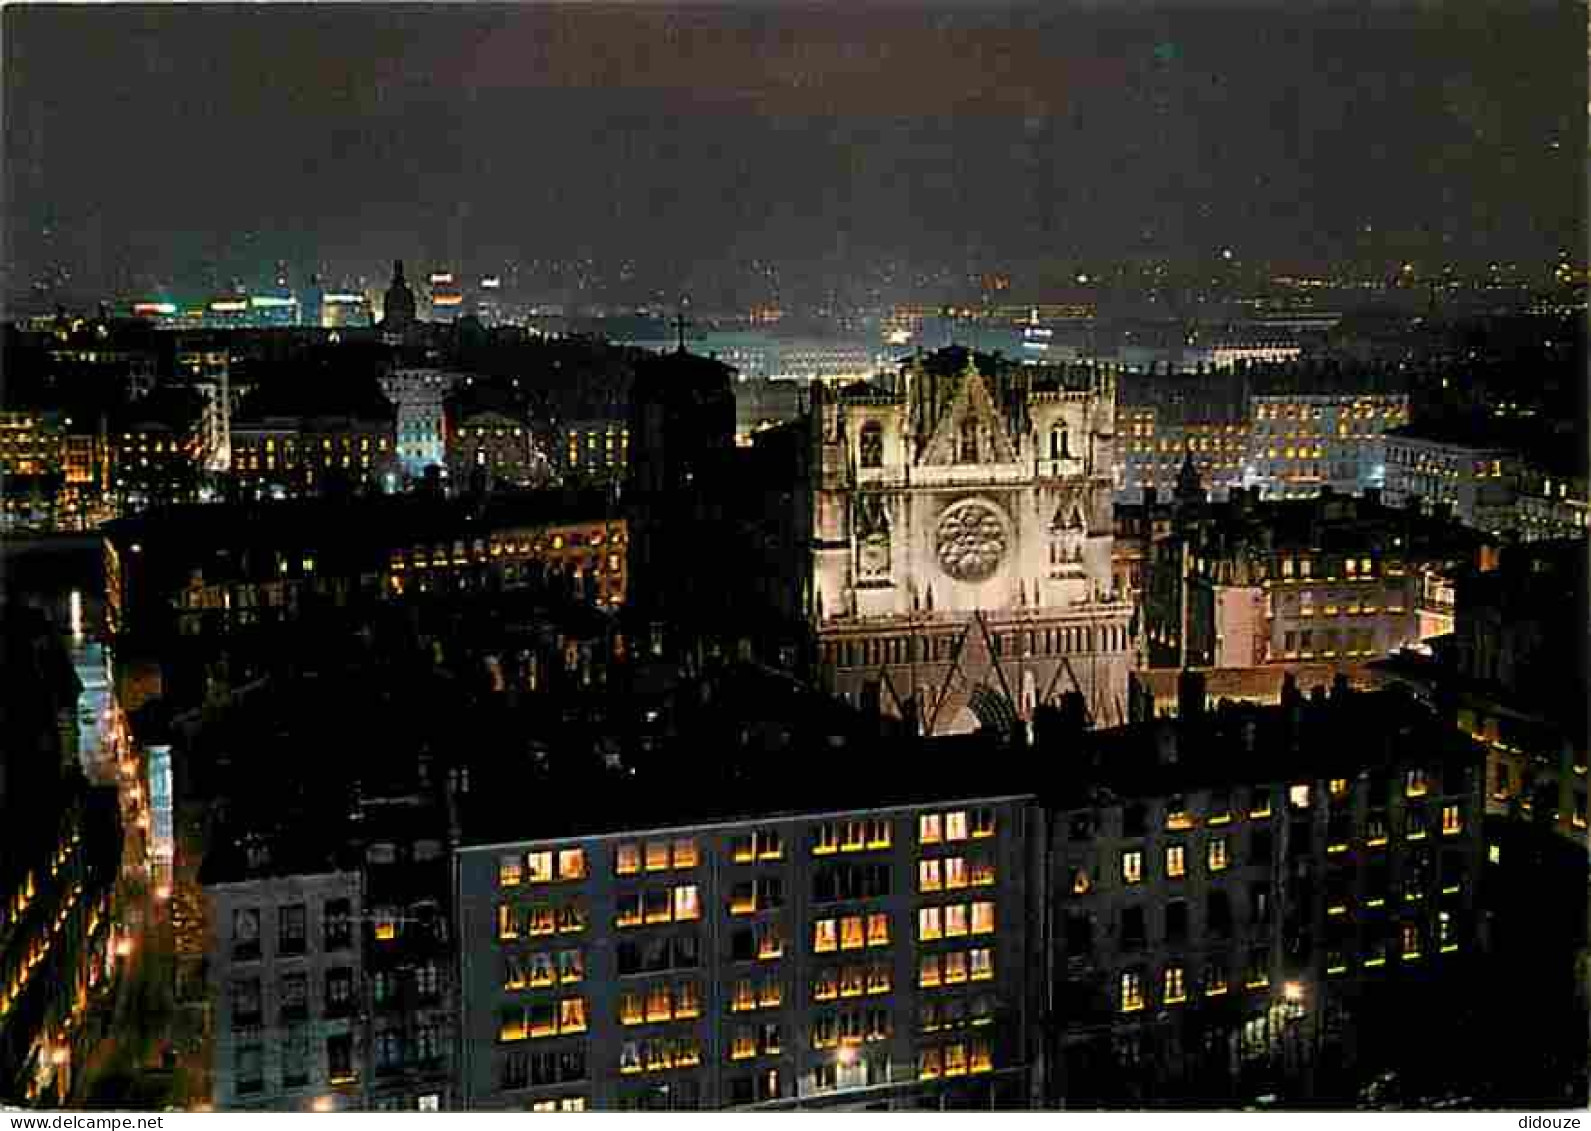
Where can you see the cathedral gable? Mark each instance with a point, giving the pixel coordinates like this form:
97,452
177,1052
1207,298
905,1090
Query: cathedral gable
971,429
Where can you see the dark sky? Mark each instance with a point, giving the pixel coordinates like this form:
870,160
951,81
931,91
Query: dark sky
162,143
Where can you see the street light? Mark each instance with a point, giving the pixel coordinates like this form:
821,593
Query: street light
1293,992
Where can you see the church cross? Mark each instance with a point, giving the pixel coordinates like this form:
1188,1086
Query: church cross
680,323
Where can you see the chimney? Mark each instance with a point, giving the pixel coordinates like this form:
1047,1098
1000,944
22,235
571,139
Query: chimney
1190,694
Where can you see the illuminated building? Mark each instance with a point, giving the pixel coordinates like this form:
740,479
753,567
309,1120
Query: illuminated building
159,448
314,438
491,443
444,297
217,570
832,362
1490,477
962,529
1337,578
342,309
794,953
206,366
1164,418
1305,441
417,394
594,449
1250,901
57,875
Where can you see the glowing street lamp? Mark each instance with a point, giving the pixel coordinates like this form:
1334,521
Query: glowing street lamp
1293,992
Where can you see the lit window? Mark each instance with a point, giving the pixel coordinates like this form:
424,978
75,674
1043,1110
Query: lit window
853,935
1261,806
955,920
956,825
1452,823
572,864
1218,854
930,1066
928,877
1298,796
1414,783
509,870
825,986
825,936
878,833
928,829
685,855
1132,991
1494,853
980,872
1175,989
982,961
538,867
571,966
1338,787
928,972
1176,861
983,918
955,872
878,929
687,904
929,923
955,967
853,836
1410,933
1214,981
627,862
507,921
1081,884
657,855
825,839
572,1015
1132,867
982,823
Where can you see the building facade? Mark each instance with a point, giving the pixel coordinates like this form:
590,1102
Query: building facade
285,986
870,958
962,536
1244,893
420,429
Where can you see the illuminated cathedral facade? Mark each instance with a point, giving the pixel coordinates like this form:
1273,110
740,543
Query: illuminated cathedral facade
962,529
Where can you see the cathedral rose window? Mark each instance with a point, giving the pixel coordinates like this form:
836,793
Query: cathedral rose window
971,541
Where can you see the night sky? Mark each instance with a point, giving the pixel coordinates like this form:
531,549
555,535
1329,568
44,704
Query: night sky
174,144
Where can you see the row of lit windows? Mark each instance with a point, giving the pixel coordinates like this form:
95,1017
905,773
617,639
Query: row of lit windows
546,968
955,966
850,932
539,919
541,867
955,1058
932,828
679,904
536,1020
854,835
659,1055
662,1002
655,856
851,981
950,873
955,920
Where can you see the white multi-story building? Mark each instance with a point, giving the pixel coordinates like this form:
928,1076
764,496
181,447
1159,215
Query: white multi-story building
421,436
1301,442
